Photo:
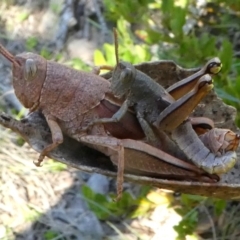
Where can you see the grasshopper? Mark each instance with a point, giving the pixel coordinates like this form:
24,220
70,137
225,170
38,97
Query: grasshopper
70,100
157,110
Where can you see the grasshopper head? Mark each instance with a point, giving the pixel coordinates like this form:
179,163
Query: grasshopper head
123,78
29,72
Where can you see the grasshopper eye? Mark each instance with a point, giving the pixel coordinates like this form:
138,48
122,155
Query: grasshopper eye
127,75
30,69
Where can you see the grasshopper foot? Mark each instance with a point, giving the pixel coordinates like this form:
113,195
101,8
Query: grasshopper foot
38,163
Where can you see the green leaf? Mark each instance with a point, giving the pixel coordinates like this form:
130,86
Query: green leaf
23,16
31,43
177,22
49,235
225,55
153,36
167,6
206,45
110,53
123,30
99,58
144,207
191,200
46,53
141,54
224,95
219,206
98,203
187,225
87,192
78,64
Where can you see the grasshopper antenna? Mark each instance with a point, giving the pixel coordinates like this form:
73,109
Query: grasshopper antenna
8,55
116,44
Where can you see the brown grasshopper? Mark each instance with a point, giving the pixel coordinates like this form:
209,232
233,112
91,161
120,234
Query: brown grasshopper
70,100
157,110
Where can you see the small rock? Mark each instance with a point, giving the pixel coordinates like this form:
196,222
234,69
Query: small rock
98,183
74,218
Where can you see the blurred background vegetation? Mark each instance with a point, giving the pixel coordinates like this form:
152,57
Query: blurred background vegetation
188,32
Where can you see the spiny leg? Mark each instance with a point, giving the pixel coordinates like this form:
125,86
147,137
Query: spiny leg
120,173
57,138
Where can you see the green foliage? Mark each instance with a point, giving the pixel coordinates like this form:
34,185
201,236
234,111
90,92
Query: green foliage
51,235
46,53
31,43
30,214
54,166
219,206
187,225
23,16
188,209
106,208
131,10
78,64
20,141
128,50
174,18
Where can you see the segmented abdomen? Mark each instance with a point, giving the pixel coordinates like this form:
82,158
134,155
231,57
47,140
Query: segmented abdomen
188,141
